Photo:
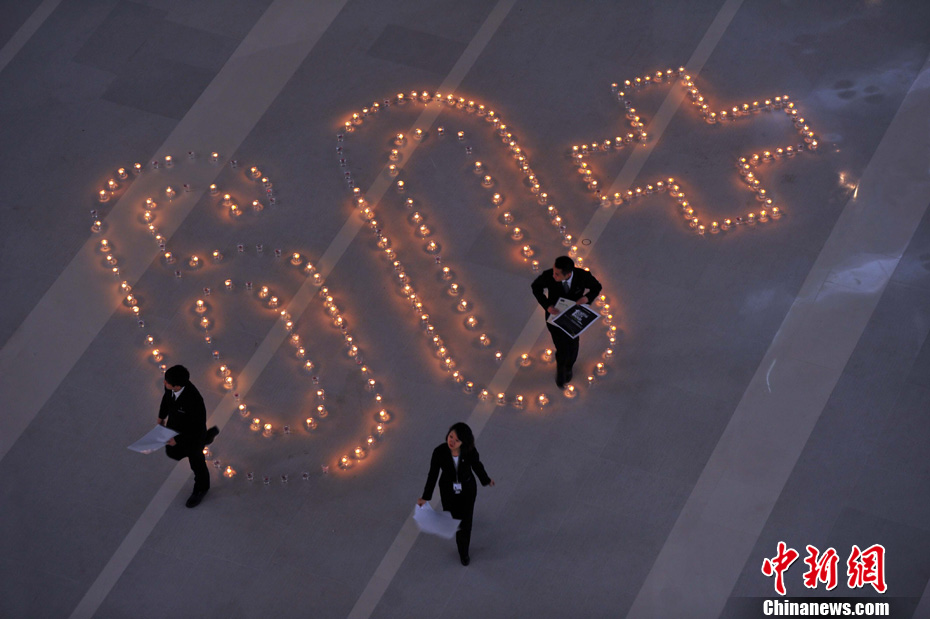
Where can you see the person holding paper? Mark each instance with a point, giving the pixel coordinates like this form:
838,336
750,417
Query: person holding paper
182,410
564,281
457,461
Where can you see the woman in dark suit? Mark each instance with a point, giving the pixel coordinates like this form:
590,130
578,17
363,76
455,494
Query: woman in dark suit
457,460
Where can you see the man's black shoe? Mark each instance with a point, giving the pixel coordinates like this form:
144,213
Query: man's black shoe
195,498
466,560
211,434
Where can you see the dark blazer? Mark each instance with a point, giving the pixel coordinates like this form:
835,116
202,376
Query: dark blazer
187,415
469,467
581,281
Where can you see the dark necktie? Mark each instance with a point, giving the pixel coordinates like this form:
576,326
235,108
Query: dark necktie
565,285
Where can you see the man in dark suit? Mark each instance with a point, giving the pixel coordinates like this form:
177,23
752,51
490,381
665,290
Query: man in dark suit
182,410
563,280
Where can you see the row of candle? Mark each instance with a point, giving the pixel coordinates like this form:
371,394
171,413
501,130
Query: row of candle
361,450
113,185
201,307
745,165
272,301
423,231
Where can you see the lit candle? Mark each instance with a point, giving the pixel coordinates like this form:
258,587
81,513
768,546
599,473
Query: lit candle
542,400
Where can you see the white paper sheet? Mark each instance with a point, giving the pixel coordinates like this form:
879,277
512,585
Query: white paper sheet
156,438
435,523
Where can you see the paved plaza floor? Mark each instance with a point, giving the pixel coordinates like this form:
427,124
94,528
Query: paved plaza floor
331,212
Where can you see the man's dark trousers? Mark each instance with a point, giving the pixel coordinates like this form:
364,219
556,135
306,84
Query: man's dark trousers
566,353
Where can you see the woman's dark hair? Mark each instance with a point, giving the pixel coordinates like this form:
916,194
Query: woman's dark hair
464,433
177,376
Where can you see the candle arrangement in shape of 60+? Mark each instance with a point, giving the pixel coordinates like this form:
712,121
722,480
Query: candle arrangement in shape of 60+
233,208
